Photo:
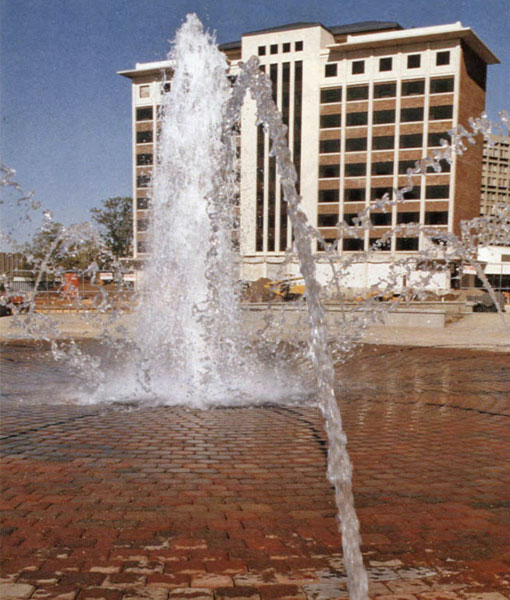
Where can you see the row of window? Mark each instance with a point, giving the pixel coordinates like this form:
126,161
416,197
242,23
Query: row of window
492,154
386,64
432,192
381,117
497,168
144,91
501,182
502,196
403,244
412,87
382,142
385,219
360,170
274,48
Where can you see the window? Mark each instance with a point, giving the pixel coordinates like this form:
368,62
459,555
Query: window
286,47
414,61
167,86
142,203
385,90
411,140
330,121
383,142
411,114
354,195
144,137
143,181
327,146
436,218
299,46
403,165
408,217
142,224
378,245
331,95
359,92
444,111
349,219
378,193
262,51
384,116
145,91
329,171
441,86
355,169
404,244
438,240
380,219
321,246
355,144
331,70
382,168
437,191
358,67
328,195
385,64
357,118
143,159
435,138
414,194
327,220
144,114
142,247
442,58
273,49
353,245
413,87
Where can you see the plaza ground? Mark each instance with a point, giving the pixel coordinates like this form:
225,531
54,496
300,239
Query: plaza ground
167,503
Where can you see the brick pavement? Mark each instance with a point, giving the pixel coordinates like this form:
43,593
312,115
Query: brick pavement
169,503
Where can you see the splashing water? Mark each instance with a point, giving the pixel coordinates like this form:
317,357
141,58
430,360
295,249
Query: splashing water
192,201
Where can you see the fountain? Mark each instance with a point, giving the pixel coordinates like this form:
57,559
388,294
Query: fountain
198,353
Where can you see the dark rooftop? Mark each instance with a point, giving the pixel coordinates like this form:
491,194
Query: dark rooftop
363,26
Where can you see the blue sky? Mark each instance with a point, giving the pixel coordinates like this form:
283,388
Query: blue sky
65,113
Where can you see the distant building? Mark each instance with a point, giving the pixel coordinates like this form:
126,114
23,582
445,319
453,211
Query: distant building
495,174
9,262
362,102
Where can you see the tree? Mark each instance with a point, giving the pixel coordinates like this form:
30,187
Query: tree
115,219
64,248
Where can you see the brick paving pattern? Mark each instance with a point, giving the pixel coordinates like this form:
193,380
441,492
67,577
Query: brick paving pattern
169,503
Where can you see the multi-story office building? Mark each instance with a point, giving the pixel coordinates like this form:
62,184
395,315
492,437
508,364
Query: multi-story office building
495,174
362,103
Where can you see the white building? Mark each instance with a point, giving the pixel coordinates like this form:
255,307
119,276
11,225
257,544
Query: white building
362,102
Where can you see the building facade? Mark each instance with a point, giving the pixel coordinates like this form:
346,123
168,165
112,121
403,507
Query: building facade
495,175
362,103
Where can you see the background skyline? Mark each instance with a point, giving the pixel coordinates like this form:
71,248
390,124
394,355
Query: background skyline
66,113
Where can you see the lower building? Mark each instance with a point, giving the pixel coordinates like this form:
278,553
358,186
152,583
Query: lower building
495,174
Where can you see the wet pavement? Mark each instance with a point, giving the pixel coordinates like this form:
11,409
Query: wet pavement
233,503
